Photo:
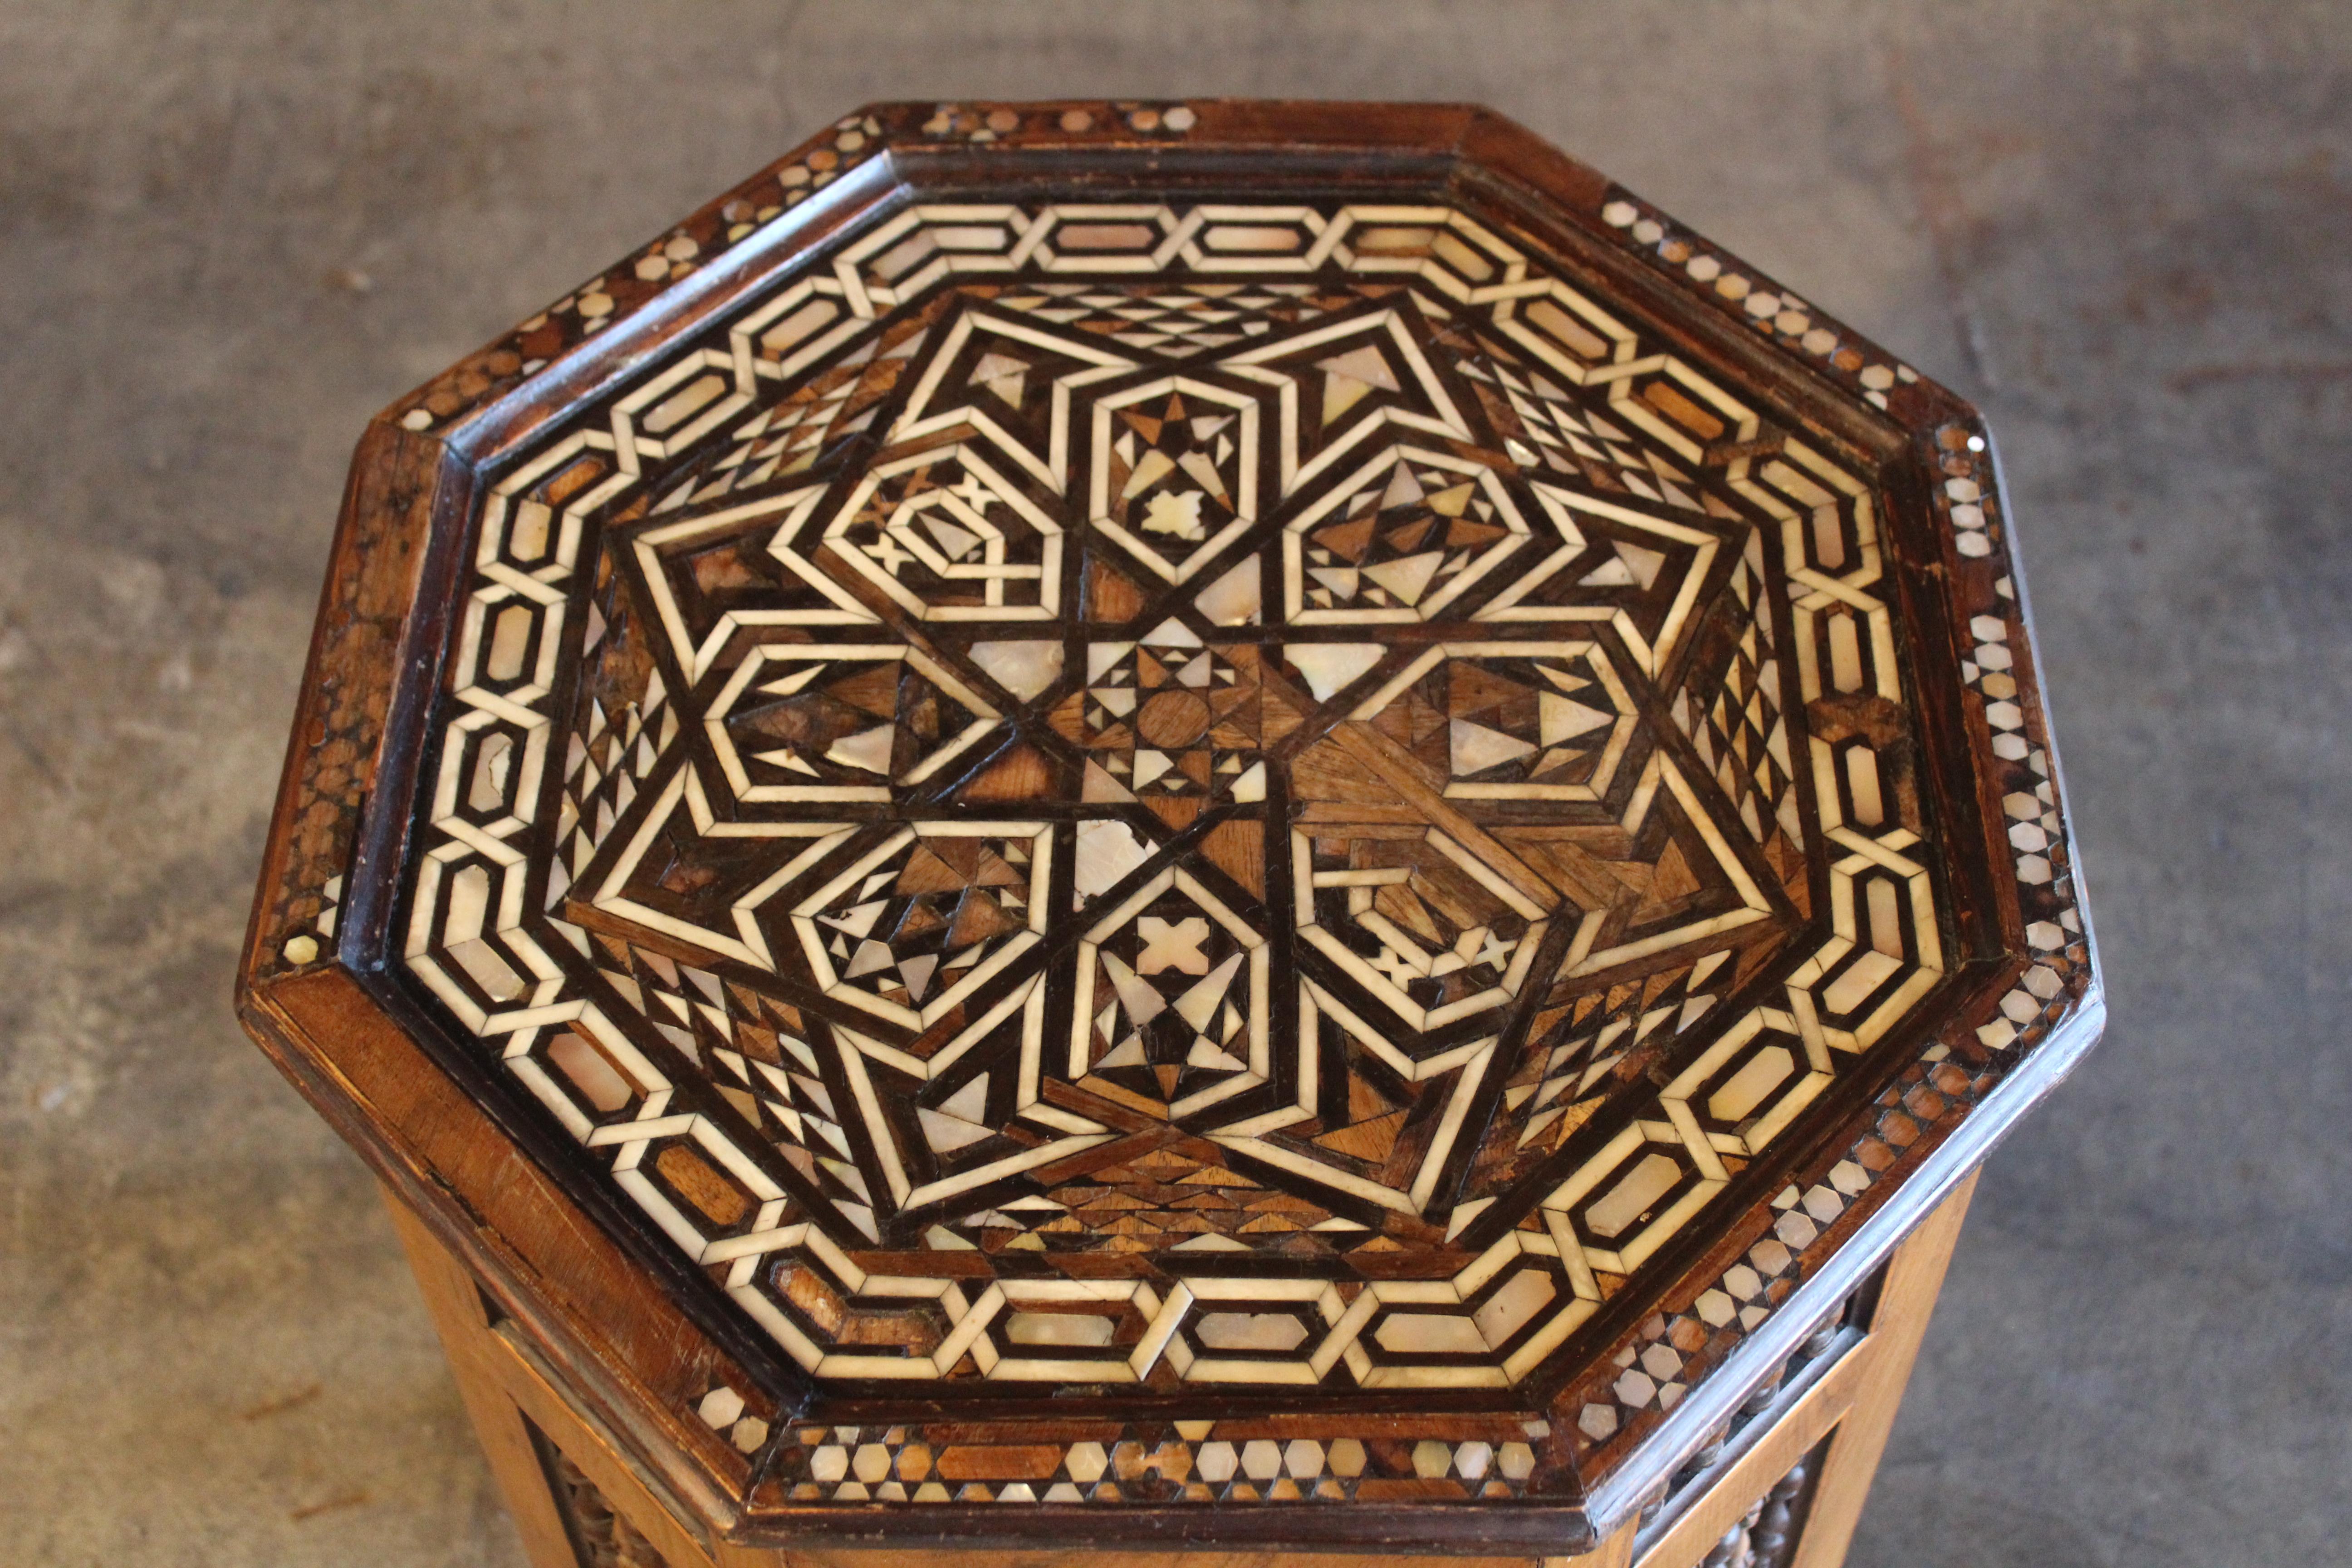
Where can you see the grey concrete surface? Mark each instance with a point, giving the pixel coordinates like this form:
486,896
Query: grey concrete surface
228,234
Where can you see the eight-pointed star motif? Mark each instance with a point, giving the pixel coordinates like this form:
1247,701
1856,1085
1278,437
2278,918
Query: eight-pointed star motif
1413,933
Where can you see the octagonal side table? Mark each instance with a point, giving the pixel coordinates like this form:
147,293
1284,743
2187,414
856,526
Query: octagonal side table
1153,831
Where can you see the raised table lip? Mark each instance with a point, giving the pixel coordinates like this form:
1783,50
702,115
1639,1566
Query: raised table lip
454,464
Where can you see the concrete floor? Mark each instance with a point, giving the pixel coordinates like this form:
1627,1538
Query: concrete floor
228,235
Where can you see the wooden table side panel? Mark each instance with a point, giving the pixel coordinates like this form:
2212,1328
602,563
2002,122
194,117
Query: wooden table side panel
455,1301
1904,1306
1865,1386
423,1131
502,1388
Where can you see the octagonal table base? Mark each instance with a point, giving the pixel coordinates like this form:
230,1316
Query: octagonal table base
1785,1492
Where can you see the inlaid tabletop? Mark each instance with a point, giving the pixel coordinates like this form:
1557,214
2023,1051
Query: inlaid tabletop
1162,805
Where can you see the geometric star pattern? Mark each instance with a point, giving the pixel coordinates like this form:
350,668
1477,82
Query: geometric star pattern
1178,794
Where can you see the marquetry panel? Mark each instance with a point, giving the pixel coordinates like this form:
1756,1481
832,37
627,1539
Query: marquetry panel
1314,779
